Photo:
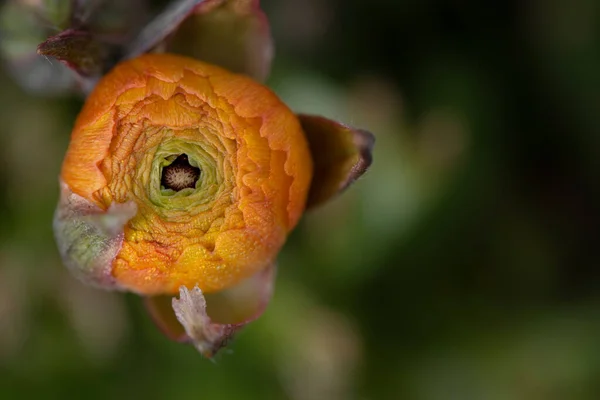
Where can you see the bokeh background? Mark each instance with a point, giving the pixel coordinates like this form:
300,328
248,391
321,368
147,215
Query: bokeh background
464,265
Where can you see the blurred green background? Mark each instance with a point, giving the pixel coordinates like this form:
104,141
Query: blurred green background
464,265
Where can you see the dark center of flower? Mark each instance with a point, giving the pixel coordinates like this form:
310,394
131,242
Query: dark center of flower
180,174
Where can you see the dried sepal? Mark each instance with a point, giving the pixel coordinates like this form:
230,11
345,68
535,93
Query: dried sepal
233,34
341,154
209,321
190,310
89,238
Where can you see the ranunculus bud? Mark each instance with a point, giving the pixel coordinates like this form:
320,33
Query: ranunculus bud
185,178
216,165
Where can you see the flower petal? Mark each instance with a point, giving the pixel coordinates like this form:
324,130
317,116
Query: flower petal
254,160
341,154
210,321
89,238
235,35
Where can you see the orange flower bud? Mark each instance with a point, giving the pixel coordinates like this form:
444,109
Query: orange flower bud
217,167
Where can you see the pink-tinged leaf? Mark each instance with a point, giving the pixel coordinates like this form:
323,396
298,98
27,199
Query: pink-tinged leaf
341,154
23,26
234,34
92,36
165,24
209,321
90,238
79,50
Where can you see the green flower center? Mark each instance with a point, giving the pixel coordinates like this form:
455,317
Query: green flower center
184,177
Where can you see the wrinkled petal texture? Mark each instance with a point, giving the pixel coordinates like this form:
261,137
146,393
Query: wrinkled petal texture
254,160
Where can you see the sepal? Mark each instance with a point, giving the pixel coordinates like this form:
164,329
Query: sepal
209,321
90,238
341,154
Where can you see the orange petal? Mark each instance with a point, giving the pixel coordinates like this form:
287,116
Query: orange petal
253,156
